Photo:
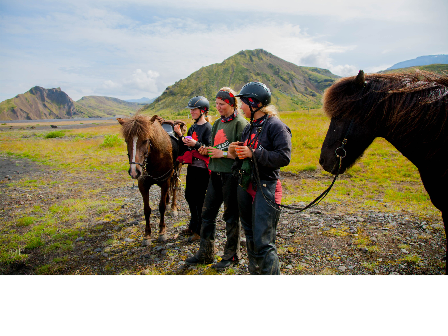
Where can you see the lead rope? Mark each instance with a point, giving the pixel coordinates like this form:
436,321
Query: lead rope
278,207
319,198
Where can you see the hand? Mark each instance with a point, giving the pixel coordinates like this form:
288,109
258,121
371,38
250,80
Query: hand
177,130
203,150
190,142
232,148
215,153
243,152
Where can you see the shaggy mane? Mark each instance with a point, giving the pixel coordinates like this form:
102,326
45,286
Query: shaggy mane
406,101
145,128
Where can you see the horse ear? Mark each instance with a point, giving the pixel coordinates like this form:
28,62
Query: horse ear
360,79
156,117
121,121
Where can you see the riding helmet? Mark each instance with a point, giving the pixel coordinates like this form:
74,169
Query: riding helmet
200,103
256,90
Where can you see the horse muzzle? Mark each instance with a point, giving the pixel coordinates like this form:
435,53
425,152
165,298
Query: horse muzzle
135,170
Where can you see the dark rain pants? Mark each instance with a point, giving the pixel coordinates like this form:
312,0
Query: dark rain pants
222,188
259,221
196,187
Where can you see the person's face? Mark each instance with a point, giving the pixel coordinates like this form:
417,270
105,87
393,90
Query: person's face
246,110
223,108
195,113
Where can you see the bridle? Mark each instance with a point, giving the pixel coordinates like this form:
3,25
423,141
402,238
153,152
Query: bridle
144,164
340,153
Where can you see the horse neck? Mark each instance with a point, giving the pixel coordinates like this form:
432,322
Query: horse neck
157,154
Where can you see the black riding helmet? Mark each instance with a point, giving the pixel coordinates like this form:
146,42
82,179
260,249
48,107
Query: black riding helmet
200,103
256,90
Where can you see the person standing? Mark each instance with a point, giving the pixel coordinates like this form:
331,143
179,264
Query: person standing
222,186
196,181
266,142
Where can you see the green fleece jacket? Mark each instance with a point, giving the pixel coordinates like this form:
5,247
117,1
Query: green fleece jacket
222,135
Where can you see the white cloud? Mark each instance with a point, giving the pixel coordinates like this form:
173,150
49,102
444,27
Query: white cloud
138,84
102,47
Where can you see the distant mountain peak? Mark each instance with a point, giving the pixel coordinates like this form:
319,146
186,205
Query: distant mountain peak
293,87
421,60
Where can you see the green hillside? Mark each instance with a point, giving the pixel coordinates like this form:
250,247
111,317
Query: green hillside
441,69
293,87
99,106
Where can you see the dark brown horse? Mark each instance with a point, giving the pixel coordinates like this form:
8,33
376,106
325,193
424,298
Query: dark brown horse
152,156
408,110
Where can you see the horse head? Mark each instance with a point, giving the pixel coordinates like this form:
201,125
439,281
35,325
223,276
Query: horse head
136,132
349,134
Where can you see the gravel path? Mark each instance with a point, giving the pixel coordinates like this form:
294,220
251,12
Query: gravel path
324,240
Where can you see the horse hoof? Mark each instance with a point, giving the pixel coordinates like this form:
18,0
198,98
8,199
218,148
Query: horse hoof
162,238
146,242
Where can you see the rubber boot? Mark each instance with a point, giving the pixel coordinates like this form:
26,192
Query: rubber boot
205,254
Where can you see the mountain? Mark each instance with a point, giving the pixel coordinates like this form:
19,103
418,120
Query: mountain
40,103
422,60
143,100
99,106
441,69
293,87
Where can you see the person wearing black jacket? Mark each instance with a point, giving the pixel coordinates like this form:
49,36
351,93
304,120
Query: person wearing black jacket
266,141
196,181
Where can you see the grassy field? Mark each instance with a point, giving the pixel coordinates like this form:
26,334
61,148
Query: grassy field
383,180
372,181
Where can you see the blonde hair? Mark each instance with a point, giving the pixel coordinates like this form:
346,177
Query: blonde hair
270,109
237,100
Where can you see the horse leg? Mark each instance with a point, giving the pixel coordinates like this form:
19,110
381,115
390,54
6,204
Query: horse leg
174,185
162,207
144,190
436,185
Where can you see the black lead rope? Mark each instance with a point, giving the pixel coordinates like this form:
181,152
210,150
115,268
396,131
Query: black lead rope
319,198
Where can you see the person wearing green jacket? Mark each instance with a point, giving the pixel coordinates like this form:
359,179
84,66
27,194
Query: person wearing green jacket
222,187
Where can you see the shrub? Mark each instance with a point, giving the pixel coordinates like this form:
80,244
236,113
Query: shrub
111,140
54,134
25,221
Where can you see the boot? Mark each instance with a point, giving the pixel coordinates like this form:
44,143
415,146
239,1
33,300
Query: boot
223,264
205,254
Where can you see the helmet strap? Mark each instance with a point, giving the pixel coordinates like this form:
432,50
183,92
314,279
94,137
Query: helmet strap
252,112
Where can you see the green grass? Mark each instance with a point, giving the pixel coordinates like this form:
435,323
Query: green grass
382,179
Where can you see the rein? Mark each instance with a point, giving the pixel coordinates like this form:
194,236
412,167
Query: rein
342,153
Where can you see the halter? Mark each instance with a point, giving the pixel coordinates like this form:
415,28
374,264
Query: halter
319,198
144,164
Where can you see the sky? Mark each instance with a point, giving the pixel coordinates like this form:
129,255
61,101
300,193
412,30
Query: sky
136,48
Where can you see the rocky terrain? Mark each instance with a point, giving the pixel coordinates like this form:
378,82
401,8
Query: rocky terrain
323,240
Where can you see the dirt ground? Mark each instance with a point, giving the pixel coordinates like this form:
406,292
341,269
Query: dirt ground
323,240
326,239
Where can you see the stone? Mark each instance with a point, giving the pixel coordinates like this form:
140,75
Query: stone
128,240
342,268
98,249
79,239
404,251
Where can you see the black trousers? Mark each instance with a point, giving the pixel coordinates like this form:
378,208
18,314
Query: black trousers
222,189
259,220
195,189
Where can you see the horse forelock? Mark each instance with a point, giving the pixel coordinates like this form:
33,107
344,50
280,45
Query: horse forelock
138,125
147,128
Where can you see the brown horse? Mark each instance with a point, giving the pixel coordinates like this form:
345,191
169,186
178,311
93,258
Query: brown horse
408,110
152,156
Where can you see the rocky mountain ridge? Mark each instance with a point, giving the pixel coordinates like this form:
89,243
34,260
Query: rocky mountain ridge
40,103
